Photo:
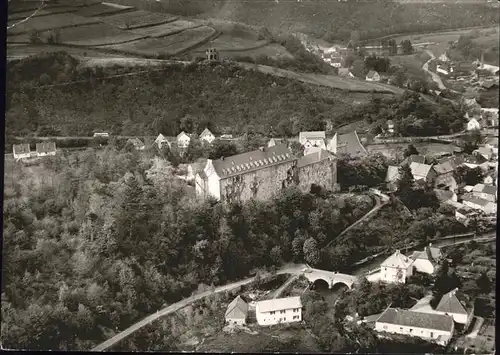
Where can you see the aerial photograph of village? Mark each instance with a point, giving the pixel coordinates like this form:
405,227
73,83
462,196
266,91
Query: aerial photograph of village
261,176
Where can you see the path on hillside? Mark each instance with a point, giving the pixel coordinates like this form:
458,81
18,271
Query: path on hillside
435,77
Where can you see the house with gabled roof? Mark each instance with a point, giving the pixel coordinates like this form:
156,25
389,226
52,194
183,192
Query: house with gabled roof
428,260
347,143
312,139
396,268
486,152
183,140
475,160
451,305
473,124
21,151
372,75
45,148
414,158
465,214
444,175
488,207
392,177
422,172
162,141
486,192
279,310
207,136
446,196
432,327
345,72
237,311
274,141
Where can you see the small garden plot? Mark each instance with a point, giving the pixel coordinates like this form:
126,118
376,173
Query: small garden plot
170,45
49,22
166,29
137,19
99,10
95,35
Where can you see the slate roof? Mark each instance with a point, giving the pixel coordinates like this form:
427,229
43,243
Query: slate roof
251,161
430,253
397,260
371,74
420,170
349,143
455,161
392,173
311,135
313,158
449,303
416,319
278,304
45,147
238,308
414,158
444,167
21,148
487,189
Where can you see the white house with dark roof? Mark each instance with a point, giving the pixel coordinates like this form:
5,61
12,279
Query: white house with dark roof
486,192
279,310
396,268
183,140
451,305
21,151
428,260
436,328
312,139
45,148
207,136
237,311
347,143
486,206
372,76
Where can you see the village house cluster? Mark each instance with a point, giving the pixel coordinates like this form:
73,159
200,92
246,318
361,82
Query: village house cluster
43,149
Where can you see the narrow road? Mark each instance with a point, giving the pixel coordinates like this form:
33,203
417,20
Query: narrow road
435,77
280,290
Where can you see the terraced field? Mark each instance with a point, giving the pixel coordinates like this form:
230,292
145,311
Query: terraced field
49,22
166,29
96,35
137,19
170,45
100,10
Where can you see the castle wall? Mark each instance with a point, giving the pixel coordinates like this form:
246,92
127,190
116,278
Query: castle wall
323,174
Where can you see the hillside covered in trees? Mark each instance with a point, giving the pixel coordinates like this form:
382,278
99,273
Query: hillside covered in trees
335,20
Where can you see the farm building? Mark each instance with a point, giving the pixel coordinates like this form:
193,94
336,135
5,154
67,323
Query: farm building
312,139
428,260
162,141
45,148
279,310
347,143
21,151
237,311
183,140
432,327
372,76
396,268
207,136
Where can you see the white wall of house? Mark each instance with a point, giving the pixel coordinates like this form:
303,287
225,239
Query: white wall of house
200,186
424,333
484,196
490,208
209,138
442,71
391,274
281,316
44,154
424,266
473,125
22,156
238,321
183,141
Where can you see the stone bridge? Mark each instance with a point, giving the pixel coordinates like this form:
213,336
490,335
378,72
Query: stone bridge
332,278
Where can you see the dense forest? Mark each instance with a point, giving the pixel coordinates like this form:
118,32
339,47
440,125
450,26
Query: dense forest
93,241
224,97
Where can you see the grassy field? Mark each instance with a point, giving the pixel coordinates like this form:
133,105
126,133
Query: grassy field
170,45
226,43
24,50
100,9
49,22
414,61
166,29
96,35
274,51
137,19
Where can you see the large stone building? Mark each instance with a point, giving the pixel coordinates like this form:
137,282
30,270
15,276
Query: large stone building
263,173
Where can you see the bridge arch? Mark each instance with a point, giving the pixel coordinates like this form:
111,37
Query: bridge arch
321,283
337,285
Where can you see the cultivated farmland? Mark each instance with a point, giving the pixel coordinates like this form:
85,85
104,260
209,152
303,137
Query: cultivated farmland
22,15
170,45
49,22
137,19
166,29
100,9
96,35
